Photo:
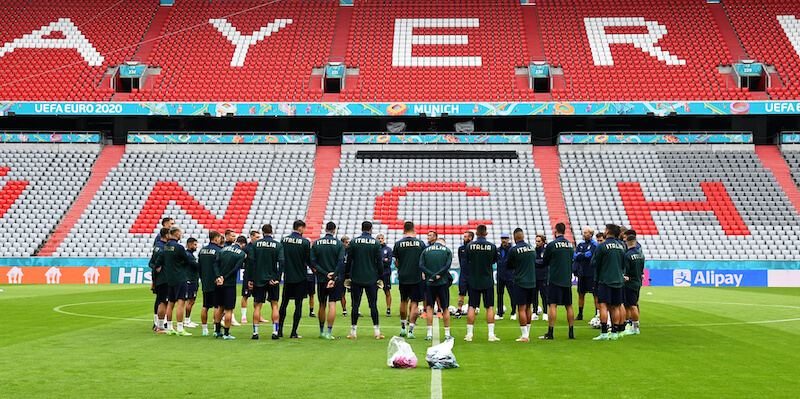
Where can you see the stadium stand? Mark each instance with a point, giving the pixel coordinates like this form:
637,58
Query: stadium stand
200,63
691,39
792,156
495,36
201,187
703,203
49,73
447,193
760,25
40,185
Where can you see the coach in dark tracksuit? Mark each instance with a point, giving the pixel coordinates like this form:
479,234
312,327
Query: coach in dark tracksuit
583,269
542,276
505,276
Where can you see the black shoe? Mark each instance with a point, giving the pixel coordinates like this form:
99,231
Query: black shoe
388,313
255,336
344,313
579,317
546,336
280,334
275,336
295,336
571,336
311,314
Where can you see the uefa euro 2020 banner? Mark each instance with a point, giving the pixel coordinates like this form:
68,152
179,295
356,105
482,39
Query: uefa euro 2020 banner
235,109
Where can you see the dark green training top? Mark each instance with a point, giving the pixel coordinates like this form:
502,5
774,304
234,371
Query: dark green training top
265,263
634,268
481,255
522,259
407,251
176,262
327,256
297,252
207,258
608,263
558,256
229,261
435,261
364,260
158,251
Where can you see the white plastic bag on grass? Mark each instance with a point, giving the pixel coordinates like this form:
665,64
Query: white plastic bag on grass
441,356
399,355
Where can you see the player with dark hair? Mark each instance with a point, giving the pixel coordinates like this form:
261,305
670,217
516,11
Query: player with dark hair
206,259
297,252
229,260
175,262
558,257
346,242
230,239
386,258
159,283
432,237
481,255
463,277
522,259
542,276
505,278
327,259
193,274
166,223
435,264
633,276
262,277
609,261
365,266
407,251
583,270
255,235
599,238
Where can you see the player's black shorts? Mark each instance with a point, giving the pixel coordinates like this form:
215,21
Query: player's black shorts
609,295
334,294
266,293
631,297
476,295
161,293
559,295
412,292
311,281
295,290
225,296
523,296
209,299
438,291
178,292
246,291
191,293
463,285
387,281
586,285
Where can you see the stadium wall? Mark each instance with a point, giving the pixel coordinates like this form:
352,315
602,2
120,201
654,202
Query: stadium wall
657,273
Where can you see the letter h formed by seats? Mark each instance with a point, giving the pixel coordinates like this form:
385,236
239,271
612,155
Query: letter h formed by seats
718,201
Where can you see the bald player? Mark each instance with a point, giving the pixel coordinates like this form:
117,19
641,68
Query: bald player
522,260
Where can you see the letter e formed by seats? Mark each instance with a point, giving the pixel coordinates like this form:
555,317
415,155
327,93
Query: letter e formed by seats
405,39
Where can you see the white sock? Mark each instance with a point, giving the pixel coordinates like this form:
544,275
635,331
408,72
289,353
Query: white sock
188,320
377,330
635,325
403,324
523,329
162,323
469,329
155,320
528,327
205,328
430,331
244,313
170,325
411,327
180,326
447,331
255,328
491,329
353,329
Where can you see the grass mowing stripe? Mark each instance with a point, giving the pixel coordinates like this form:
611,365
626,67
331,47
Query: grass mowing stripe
436,374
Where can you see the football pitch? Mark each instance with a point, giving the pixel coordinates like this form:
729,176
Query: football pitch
96,341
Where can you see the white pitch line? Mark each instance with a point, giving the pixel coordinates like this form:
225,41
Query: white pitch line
60,310
436,374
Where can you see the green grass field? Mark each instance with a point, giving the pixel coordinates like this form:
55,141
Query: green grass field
695,342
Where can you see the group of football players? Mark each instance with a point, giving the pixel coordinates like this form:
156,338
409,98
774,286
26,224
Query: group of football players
608,265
